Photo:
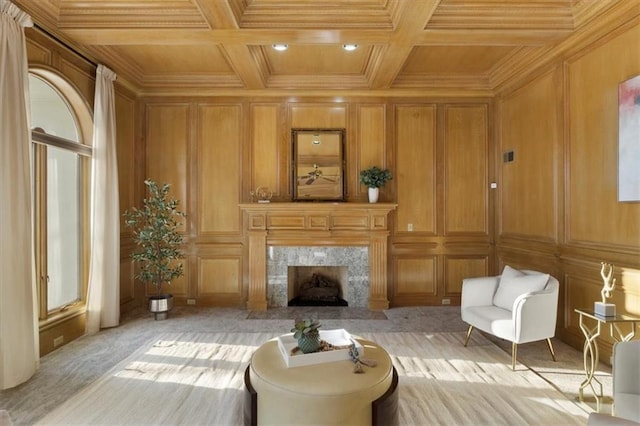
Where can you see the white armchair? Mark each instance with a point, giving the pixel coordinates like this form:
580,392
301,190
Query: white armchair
626,387
518,306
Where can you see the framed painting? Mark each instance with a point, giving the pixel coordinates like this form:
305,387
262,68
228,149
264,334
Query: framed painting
629,140
318,164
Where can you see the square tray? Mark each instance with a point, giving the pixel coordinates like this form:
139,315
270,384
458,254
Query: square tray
337,337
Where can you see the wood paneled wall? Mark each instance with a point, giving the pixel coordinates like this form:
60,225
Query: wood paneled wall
442,229
215,151
197,148
558,209
130,165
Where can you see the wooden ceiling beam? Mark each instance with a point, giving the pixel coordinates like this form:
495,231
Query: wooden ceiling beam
414,18
217,13
201,36
478,37
245,65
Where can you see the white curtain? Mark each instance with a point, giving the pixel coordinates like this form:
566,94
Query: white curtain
19,353
103,299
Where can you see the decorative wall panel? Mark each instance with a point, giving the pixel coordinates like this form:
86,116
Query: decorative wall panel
127,283
126,152
530,128
466,148
415,276
415,179
371,146
316,116
84,78
219,165
458,268
167,140
37,54
219,275
267,156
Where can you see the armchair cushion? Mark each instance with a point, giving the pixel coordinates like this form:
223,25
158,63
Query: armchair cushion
514,283
491,319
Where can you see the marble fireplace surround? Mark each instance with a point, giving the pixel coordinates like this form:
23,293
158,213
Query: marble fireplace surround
320,224
354,281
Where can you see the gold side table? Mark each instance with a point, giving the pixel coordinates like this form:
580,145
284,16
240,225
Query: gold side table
590,351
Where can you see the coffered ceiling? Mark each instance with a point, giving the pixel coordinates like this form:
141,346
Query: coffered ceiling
439,46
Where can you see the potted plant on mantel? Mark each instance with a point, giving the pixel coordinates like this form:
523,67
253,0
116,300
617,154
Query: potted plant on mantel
155,232
374,178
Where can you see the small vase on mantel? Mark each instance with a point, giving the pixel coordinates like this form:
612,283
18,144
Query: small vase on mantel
373,195
374,177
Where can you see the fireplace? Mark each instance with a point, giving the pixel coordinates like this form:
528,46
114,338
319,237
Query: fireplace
282,234
349,264
317,286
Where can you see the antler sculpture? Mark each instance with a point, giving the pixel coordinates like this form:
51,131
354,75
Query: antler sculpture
607,272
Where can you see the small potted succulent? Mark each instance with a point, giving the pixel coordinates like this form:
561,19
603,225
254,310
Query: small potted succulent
306,332
374,177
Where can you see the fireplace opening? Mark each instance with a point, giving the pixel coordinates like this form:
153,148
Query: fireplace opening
317,285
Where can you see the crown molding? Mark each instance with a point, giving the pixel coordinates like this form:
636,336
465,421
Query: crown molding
443,81
524,61
329,82
140,14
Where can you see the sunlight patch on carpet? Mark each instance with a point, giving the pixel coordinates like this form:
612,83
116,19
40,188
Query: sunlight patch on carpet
197,378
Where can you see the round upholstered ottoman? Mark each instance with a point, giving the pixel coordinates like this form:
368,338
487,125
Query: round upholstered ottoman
320,394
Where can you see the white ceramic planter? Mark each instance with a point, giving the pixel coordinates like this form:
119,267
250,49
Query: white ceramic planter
373,195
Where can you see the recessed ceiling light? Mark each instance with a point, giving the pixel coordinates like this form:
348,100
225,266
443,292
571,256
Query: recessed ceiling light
280,47
349,47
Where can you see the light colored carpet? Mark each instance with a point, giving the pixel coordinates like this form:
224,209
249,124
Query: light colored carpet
197,378
66,371
180,379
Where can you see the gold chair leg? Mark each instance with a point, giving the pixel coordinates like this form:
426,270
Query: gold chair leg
553,354
468,335
514,354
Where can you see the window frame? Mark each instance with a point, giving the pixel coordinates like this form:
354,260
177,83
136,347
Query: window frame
83,121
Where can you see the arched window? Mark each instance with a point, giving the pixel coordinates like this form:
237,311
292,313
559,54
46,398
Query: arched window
61,133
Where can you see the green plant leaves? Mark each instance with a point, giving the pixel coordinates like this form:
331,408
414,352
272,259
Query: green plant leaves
375,177
155,232
304,326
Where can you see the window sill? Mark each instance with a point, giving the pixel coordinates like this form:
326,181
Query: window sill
62,316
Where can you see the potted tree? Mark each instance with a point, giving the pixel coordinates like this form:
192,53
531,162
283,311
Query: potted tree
155,232
374,178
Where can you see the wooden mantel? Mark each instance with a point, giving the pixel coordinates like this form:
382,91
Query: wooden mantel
317,224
